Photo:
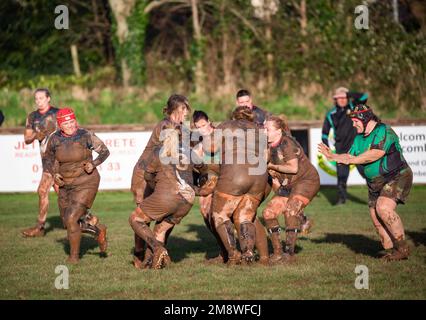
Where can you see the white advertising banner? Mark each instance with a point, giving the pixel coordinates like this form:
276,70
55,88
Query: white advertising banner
21,170
20,164
413,144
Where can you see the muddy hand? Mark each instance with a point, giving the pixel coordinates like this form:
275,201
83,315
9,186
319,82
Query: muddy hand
322,148
208,187
88,167
59,179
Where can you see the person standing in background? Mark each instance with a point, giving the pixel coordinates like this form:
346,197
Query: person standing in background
343,131
39,125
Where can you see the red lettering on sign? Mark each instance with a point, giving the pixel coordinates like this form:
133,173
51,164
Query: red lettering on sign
120,143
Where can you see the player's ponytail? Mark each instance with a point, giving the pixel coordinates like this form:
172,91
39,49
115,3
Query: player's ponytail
280,122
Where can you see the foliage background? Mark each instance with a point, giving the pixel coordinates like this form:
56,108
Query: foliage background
291,61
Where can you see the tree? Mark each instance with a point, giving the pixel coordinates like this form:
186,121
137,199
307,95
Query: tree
129,23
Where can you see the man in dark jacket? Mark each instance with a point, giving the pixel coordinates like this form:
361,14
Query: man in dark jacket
343,131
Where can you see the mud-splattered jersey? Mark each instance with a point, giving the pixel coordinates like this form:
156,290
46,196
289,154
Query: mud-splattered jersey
153,142
286,150
243,158
42,122
175,177
382,138
72,153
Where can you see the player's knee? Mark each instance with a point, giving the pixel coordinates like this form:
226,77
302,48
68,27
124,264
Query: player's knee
219,219
204,212
131,218
268,214
43,191
382,209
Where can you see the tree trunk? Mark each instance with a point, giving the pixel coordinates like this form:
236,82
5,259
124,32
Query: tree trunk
199,68
75,62
269,55
303,25
121,10
228,55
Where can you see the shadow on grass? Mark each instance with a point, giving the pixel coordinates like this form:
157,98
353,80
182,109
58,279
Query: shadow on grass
419,238
54,222
356,242
87,243
330,193
180,248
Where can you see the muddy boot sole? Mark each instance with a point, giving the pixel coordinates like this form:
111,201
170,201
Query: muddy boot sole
159,258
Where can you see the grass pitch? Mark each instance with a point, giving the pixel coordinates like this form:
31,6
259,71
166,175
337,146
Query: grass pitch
342,238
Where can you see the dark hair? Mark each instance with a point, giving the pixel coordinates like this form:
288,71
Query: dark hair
45,90
199,115
242,113
280,122
242,93
174,102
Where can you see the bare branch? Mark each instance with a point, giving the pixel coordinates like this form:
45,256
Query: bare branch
157,3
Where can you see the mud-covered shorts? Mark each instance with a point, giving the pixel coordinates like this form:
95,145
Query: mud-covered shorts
82,190
306,188
165,205
396,189
139,186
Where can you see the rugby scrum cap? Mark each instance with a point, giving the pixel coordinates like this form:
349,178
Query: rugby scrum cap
341,92
362,112
65,114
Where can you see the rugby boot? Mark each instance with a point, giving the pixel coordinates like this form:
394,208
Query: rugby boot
274,231
137,260
264,261
307,224
247,241
216,260
37,231
159,259
290,241
401,251
102,238
226,233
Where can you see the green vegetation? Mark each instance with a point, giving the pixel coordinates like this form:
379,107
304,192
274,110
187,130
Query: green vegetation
111,106
291,57
342,238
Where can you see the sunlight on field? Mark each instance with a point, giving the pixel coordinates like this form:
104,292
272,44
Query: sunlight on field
343,237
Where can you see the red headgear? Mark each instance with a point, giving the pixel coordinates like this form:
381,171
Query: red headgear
64,114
